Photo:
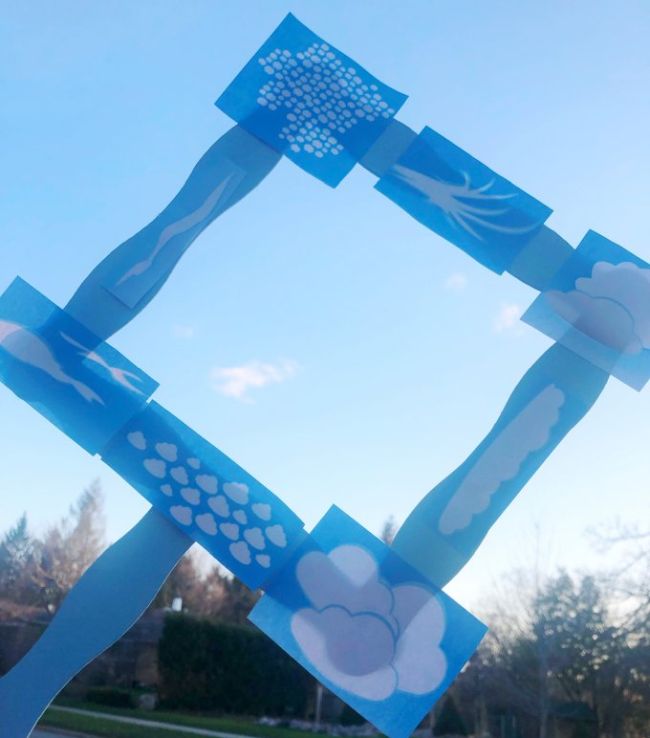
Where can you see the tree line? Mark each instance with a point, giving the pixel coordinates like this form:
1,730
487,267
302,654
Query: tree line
567,654
39,571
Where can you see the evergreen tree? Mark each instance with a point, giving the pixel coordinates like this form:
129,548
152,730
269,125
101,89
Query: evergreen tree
17,562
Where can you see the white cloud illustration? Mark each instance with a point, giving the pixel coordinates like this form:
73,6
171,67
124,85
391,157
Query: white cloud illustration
470,207
353,651
527,432
419,660
339,99
365,636
182,225
29,348
197,503
611,307
236,381
347,577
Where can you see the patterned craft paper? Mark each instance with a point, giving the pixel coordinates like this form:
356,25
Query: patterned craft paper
306,99
598,306
367,625
464,201
83,386
213,500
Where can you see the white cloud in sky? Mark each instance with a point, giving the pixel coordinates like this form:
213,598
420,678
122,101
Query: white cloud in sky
456,282
236,381
184,332
507,319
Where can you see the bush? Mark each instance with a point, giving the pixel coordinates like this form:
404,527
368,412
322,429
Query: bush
351,717
449,721
206,665
110,697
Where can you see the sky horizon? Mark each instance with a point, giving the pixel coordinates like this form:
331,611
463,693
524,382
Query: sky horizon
335,348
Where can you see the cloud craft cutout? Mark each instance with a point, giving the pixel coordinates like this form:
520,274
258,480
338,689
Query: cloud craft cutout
527,432
612,306
364,635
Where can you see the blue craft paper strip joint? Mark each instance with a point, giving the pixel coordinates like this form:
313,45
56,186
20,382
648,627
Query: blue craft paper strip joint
311,102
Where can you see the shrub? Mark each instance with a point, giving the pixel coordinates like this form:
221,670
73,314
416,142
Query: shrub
351,717
110,697
205,665
449,721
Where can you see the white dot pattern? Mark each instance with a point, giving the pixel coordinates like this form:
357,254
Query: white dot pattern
323,98
195,500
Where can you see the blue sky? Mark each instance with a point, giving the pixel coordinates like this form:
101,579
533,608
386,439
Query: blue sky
393,351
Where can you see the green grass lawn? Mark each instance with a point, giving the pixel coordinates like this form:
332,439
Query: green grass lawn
102,727
96,725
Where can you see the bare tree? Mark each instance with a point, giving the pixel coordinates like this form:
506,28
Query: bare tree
237,602
554,651
215,595
184,582
71,546
389,531
629,579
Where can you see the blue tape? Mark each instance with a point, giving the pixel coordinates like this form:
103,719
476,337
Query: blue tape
598,306
388,148
206,494
464,201
83,386
541,259
367,625
309,101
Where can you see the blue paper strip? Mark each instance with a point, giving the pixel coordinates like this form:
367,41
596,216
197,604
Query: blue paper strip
541,258
367,625
598,305
213,500
445,529
311,102
83,386
106,601
154,251
133,273
464,201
